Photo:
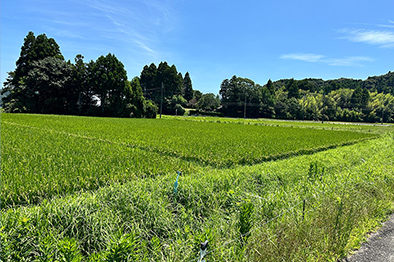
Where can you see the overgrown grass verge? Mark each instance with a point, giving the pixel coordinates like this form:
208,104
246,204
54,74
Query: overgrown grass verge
347,191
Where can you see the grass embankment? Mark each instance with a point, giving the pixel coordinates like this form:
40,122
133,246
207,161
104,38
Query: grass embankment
348,190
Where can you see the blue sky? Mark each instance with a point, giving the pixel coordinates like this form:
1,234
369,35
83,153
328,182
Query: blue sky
213,39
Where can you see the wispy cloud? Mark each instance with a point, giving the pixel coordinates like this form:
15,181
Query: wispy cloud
315,58
142,24
387,26
307,57
381,38
348,61
139,26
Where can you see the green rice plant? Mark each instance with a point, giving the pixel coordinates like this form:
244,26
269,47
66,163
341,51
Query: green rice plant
227,144
45,155
375,128
138,211
207,203
38,164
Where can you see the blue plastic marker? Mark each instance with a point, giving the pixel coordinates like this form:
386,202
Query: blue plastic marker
176,183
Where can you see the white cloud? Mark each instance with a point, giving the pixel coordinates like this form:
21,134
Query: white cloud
307,57
348,61
373,37
387,26
315,58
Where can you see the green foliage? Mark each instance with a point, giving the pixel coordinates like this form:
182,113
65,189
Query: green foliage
44,83
196,97
308,99
148,80
187,87
135,99
165,82
47,82
208,102
108,78
19,96
124,247
292,88
237,93
245,220
150,109
69,251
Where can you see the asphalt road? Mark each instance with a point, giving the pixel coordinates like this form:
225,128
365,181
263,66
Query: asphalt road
379,246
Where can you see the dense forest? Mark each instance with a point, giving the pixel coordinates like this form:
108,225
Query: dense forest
43,82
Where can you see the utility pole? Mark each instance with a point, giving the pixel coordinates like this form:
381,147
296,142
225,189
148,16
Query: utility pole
245,108
161,100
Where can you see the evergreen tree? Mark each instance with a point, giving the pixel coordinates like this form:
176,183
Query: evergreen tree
81,94
19,94
292,88
208,102
136,99
48,82
108,79
240,95
187,87
268,99
148,81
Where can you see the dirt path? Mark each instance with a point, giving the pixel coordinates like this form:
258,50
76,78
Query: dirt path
379,246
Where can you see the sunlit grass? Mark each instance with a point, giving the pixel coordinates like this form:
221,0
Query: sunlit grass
350,189
95,189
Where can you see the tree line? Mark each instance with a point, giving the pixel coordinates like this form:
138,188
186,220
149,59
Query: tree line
371,100
43,82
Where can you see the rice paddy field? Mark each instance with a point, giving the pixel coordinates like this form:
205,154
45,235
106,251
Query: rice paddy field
106,189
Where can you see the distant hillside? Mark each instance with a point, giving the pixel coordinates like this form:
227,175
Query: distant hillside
381,84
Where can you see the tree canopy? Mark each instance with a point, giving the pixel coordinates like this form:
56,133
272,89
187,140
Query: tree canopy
164,85
43,82
310,99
